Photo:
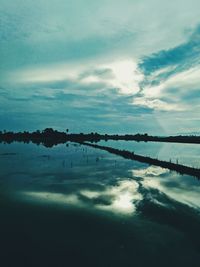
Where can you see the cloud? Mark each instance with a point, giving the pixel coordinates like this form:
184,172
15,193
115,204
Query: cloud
122,75
37,32
70,94
166,63
64,58
171,83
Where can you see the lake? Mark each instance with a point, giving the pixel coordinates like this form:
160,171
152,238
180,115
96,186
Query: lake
73,205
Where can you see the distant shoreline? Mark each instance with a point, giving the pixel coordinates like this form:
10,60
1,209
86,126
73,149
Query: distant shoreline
50,137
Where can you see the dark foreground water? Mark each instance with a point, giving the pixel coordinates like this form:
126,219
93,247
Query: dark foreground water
77,206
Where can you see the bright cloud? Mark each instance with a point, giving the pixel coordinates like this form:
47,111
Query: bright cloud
123,75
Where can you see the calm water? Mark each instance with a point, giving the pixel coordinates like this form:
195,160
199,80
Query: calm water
186,154
77,206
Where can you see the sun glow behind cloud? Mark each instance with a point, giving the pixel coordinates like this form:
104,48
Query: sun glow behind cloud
124,75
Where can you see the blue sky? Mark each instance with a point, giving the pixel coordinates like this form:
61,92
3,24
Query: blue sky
106,66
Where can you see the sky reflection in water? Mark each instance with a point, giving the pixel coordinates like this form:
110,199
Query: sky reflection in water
154,202
83,177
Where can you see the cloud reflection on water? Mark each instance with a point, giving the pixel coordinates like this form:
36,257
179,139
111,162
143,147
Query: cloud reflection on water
180,188
119,199
110,185
122,197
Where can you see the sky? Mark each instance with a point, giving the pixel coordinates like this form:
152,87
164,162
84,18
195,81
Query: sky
107,66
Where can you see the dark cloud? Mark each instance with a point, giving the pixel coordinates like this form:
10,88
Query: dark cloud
174,60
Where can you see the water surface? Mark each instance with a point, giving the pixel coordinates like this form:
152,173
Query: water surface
185,154
76,206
